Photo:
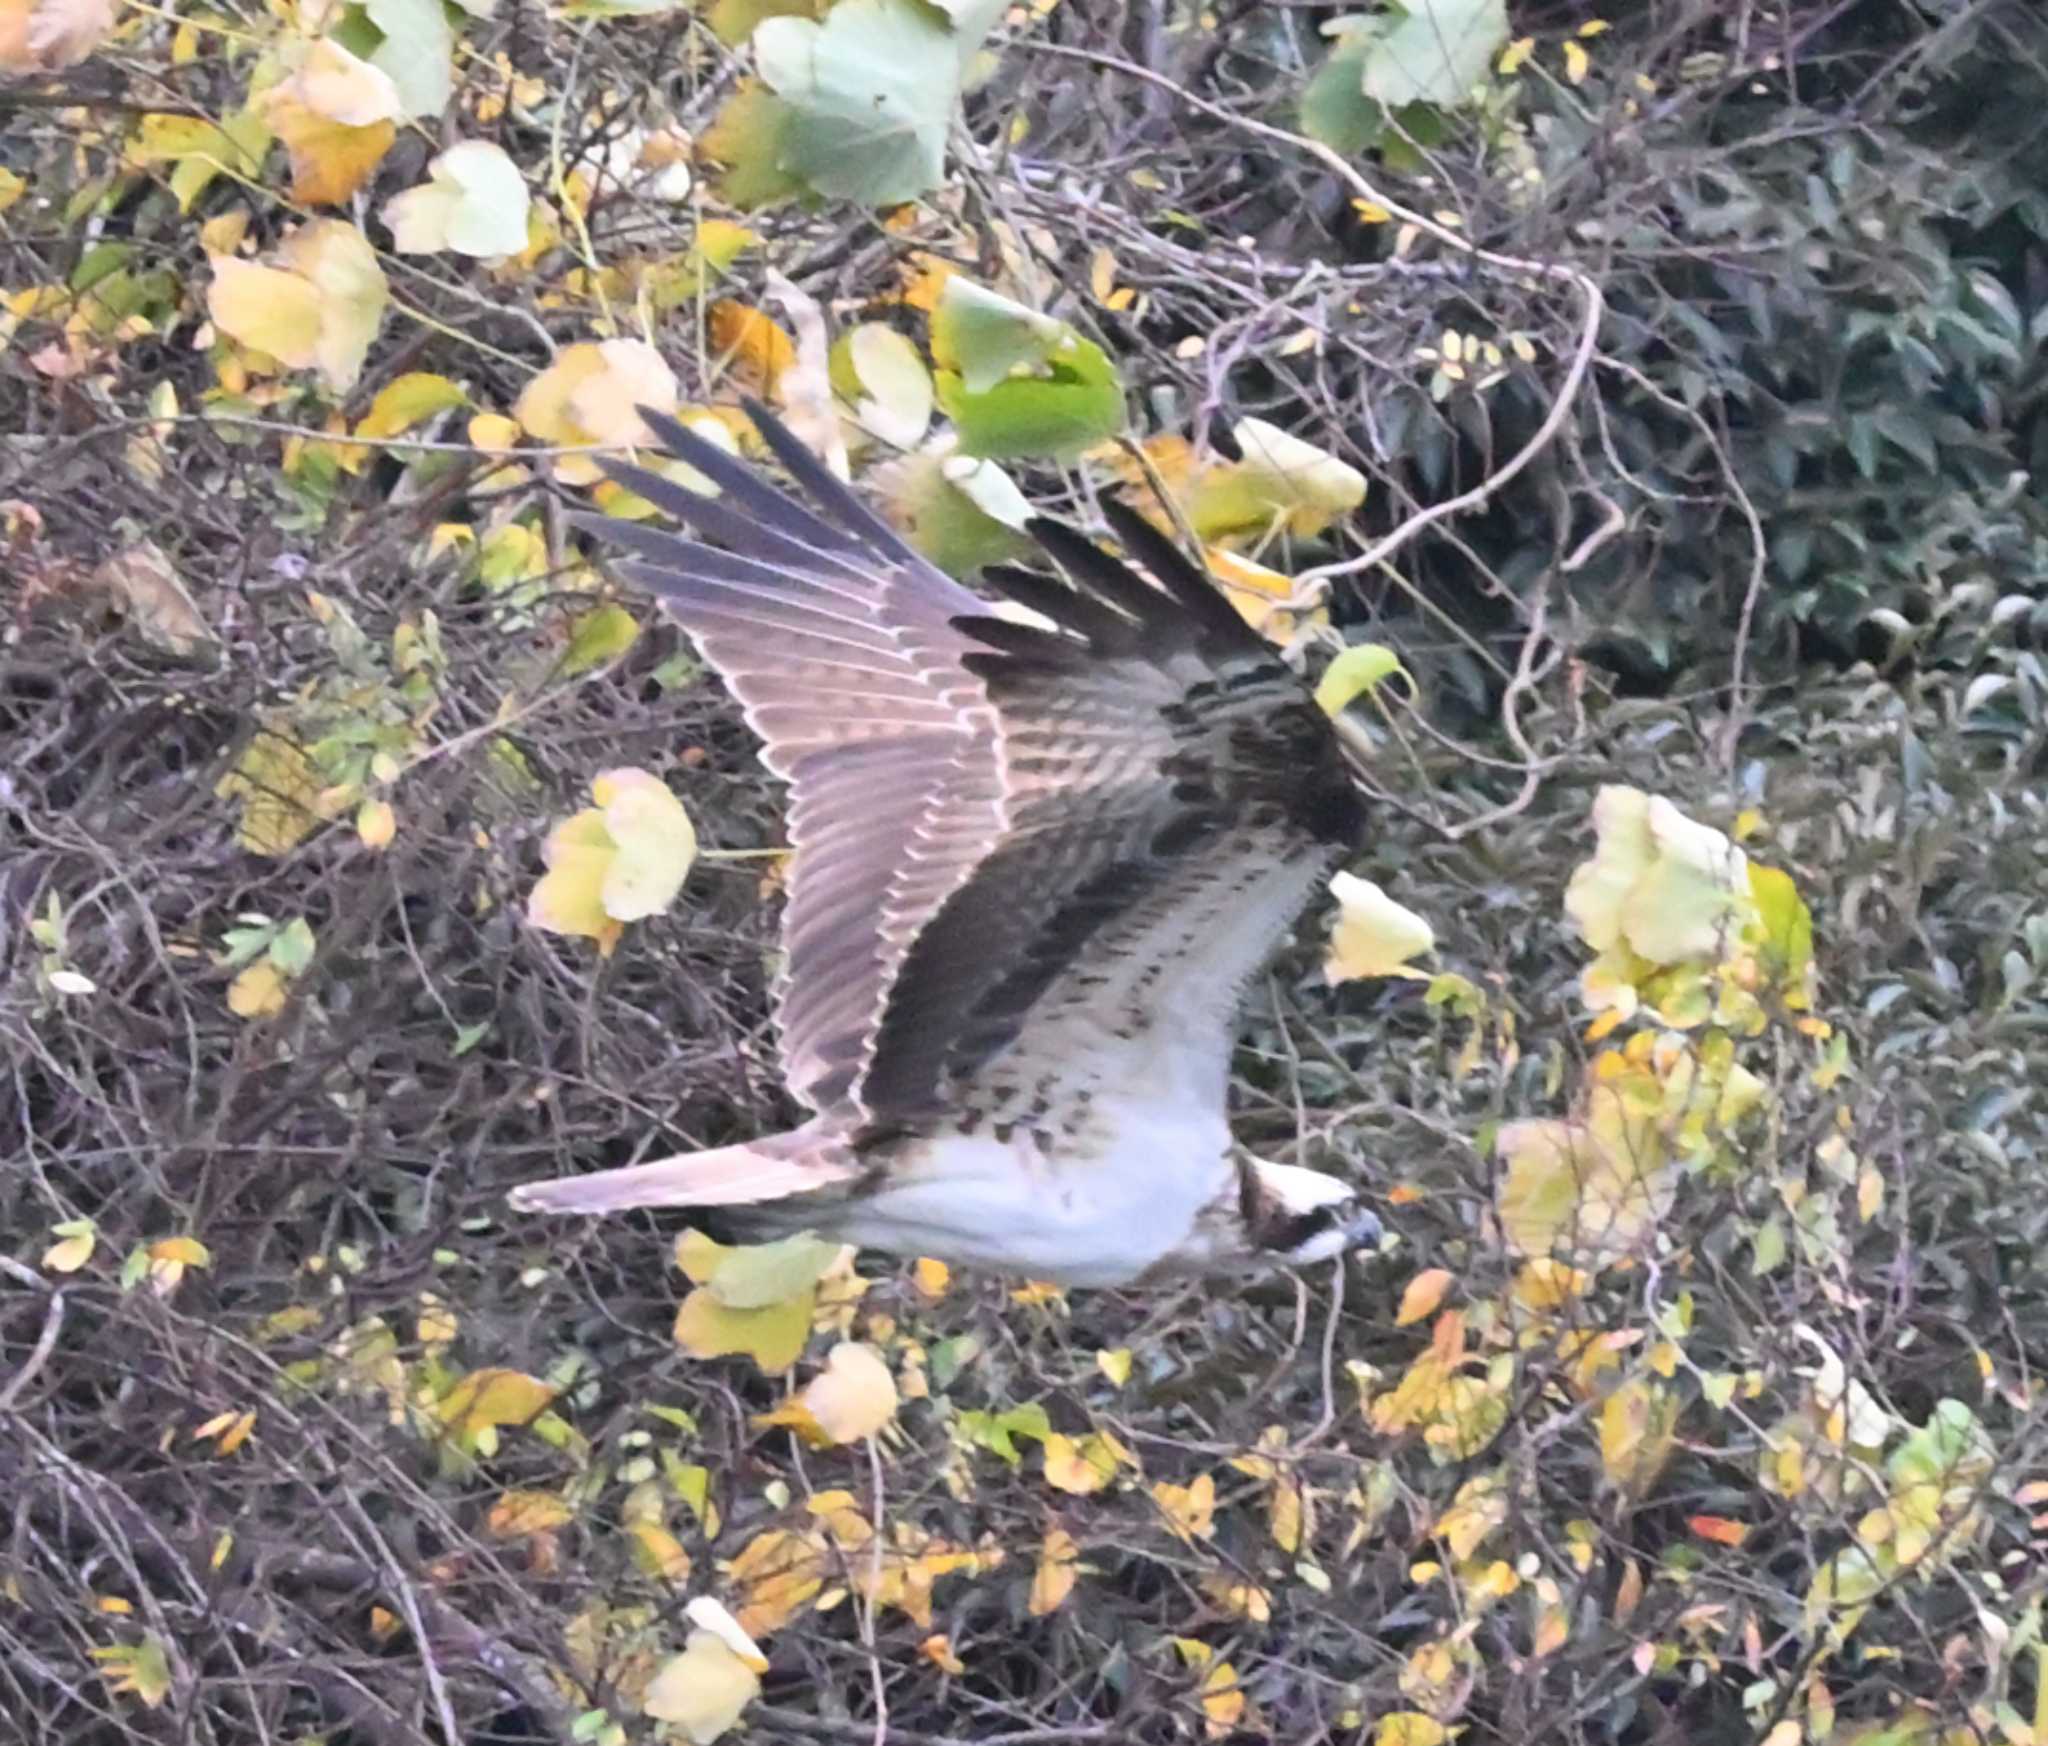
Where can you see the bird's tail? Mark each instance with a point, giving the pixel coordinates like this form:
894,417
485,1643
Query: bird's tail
772,1168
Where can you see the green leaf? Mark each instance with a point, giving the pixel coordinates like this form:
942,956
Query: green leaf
940,504
760,1274
1435,52
982,336
602,634
1360,669
418,51
1076,402
1334,106
870,92
292,950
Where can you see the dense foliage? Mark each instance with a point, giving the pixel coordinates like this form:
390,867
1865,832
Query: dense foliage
1730,1431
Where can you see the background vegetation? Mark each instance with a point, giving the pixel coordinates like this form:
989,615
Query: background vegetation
303,1438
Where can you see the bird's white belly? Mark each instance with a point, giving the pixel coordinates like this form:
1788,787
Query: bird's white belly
1098,1214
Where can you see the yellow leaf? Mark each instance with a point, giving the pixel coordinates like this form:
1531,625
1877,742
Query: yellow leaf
654,839
702,1691
1190,1510
139,1669
1545,1284
1242,1600
773,1336
777,1573
753,349
1373,935
485,1399
1667,888
376,824
938,1650
76,1239
275,782
1409,1728
657,1552
1594,1188
1079,1466
258,991
1362,668
416,395
519,1513
339,87
569,899
1059,1561
932,1277
1421,1295
854,1397
1576,62
1281,484
1637,1421
1115,1363
591,394
267,309
719,243
330,160
1514,55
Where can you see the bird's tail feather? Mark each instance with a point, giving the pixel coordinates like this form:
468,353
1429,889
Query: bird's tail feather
773,1168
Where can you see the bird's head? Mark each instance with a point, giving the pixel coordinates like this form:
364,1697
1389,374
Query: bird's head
1299,1216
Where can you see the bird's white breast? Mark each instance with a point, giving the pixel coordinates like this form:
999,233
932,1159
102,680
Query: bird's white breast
1095,1210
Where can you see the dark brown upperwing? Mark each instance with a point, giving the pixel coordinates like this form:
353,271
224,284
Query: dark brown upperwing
1150,731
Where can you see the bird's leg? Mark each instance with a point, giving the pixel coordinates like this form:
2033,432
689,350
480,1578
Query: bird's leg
1329,1418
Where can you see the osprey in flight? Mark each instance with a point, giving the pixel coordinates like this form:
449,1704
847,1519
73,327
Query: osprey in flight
1034,866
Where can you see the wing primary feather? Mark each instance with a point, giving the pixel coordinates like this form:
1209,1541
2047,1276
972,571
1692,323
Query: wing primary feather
825,487
1109,577
1186,581
741,485
757,536
1026,640
1064,604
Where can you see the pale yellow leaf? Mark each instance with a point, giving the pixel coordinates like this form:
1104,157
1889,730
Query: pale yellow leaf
654,840
76,1239
474,202
702,1691
1373,935
1664,886
854,1397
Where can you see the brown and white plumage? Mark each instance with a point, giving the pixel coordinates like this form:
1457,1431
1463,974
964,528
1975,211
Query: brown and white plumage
1033,866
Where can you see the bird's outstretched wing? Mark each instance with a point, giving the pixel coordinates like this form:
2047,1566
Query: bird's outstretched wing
1015,845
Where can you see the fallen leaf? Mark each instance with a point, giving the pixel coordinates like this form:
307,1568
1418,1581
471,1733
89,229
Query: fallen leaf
1059,1561
854,1397
258,991
1081,1465
1190,1510
154,598
76,1239
485,1399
